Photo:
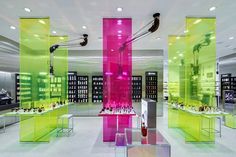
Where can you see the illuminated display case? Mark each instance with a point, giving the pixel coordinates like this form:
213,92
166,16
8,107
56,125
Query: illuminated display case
136,88
151,85
83,89
23,88
55,86
72,87
97,89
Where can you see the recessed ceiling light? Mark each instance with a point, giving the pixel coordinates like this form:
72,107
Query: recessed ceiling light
177,37
175,58
212,8
231,38
27,10
12,27
84,27
158,38
54,32
119,35
197,21
186,31
119,31
181,55
36,35
61,38
119,22
119,9
42,22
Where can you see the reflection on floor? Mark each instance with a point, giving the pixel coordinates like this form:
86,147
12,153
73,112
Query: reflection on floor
87,142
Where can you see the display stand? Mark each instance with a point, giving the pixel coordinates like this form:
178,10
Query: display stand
82,89
72,87
151,85
136,88
97,89
23,88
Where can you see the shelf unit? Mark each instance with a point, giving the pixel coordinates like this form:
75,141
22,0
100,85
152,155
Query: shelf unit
227,83
72,87
82,88
151,80
55,86
136,88
23,87
97,89
43,87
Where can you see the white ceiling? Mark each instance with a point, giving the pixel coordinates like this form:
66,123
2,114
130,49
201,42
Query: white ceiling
68,16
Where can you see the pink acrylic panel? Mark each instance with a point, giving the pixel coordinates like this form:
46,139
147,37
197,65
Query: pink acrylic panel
117,73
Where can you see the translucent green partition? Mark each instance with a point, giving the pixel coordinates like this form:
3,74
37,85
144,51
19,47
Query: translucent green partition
176,51
193,72
34,61
200,61
59,78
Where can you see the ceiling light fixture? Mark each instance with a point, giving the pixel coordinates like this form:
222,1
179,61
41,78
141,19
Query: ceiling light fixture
177,37
27,10
186,31
197,21
36,35
84,27
42,22
54,32
12,27
119,31
119,9
231,38
119,22
61,38
212,8
158,38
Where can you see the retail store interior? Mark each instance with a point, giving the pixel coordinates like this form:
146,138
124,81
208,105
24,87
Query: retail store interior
116,78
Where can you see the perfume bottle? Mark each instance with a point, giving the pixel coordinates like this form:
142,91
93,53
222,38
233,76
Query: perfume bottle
143,130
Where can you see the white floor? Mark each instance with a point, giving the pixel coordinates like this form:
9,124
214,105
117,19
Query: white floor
87,142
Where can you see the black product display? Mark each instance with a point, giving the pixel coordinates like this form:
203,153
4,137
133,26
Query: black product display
136,88
82,88
97,89
228,83
72,87
151,85
55,86
25,85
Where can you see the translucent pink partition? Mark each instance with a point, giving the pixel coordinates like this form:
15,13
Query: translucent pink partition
117,74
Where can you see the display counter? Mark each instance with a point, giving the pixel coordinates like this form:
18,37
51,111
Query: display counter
38,126
197,126
153,145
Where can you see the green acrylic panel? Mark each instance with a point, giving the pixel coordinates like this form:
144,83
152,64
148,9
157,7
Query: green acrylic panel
59,79
200,61
176,51
34,62
60,66
230,121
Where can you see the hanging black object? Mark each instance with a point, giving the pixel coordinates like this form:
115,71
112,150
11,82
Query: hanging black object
140,33
71,43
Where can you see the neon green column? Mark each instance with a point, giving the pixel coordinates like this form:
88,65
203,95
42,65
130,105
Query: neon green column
59,80
34,61
200,60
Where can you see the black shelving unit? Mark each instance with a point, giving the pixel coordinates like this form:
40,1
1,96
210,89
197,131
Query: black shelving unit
226,83
23,88
97,89
82,88
72,87
55,86
151,79
136,88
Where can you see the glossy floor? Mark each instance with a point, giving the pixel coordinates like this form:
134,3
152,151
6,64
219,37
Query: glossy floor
87,142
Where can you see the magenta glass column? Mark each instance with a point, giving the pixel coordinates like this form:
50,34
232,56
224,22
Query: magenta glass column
117,74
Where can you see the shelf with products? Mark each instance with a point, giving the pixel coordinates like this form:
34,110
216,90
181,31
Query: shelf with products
43,86
55,86
23,87
72,86
228,82
136,88
97,89
151,85
82,88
